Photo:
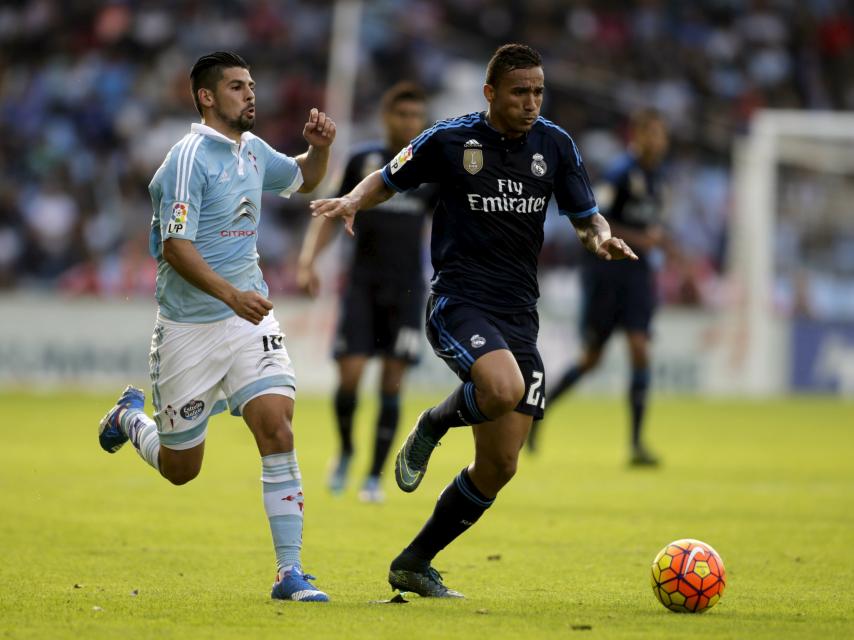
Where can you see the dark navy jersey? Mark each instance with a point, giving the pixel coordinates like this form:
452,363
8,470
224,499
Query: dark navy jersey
634,196
493,193
388,246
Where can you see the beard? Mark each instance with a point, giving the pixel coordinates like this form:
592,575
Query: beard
241,123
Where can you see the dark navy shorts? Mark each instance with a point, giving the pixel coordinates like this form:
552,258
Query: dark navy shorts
380,319
616,295
460,333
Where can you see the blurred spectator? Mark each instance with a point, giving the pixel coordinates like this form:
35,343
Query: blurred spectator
92,95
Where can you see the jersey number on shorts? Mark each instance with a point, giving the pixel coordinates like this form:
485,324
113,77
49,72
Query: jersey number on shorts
273,342
535,396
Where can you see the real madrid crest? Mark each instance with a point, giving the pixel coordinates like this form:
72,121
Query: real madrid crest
539,166
473,156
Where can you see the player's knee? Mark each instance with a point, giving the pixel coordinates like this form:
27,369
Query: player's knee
505,394
276,432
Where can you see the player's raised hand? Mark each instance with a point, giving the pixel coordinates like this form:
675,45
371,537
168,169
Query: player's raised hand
250,305
615,249
319,131
342,207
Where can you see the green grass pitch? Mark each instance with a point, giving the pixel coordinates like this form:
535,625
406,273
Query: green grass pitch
98,546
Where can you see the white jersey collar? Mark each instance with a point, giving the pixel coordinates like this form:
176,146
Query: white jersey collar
205,130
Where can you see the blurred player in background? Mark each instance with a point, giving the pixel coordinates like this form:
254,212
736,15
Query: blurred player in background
382,305
217,343
496,171
622,295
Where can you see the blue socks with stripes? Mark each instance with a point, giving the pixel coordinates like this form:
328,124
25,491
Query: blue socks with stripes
457,410
459,506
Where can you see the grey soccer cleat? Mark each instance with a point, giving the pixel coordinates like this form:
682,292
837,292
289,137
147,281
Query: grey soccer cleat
427,583
411,462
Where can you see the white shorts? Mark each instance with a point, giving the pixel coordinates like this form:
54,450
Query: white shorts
198,370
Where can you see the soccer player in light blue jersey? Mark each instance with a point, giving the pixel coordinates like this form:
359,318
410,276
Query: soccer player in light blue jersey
217,344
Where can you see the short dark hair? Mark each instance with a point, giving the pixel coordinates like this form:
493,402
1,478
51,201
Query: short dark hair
509,57
400,92
208,71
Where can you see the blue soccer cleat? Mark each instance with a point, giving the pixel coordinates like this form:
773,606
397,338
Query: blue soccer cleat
111,437
294,585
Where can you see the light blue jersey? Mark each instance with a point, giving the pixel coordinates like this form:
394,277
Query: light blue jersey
208,190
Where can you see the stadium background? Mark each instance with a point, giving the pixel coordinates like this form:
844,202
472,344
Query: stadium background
96,546
92,94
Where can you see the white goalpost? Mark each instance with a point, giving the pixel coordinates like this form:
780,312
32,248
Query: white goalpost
819,148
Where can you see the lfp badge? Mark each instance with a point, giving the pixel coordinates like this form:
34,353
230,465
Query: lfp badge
178,221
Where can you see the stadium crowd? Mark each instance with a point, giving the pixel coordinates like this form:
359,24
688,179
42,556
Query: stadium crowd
92,94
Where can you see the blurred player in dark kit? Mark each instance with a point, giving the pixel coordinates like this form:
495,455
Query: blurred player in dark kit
382,304
622,295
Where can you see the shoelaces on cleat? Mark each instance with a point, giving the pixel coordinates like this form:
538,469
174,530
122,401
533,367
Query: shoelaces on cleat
421,449
435,576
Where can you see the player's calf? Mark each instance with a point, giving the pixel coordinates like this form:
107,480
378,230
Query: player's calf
493,473
180,466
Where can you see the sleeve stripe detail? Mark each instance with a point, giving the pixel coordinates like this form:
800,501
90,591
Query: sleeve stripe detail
185,168
184,144
463,121
580,214
388,181
295,184
552,125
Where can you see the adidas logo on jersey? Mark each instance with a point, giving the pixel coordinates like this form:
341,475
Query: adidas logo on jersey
473,144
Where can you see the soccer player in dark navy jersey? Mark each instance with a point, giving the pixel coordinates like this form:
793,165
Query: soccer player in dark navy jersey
622,295
382,304
496,172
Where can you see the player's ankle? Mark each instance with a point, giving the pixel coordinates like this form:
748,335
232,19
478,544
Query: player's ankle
429,428
409,560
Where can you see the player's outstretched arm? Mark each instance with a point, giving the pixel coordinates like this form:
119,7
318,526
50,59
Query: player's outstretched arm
319,132
188,262
367,194
595,234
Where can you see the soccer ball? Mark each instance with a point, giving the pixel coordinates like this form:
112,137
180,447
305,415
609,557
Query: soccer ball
688,576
